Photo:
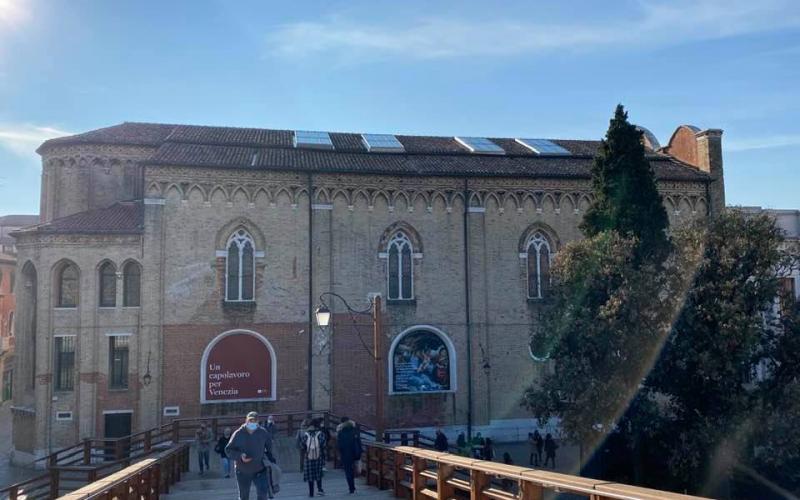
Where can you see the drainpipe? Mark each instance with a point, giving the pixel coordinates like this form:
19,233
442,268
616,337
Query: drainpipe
310,291
466,308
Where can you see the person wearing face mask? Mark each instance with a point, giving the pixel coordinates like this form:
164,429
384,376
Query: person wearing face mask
248,447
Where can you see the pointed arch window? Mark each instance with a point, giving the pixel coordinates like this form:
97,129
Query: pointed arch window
539,254
239,267
67,286
108,285
400,269
131,284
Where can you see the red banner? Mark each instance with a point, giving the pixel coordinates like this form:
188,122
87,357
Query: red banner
238,368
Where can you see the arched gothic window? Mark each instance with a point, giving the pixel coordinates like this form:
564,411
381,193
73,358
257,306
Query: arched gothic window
400,269
67,286
538,255
11,323
239,267
108,285
131,284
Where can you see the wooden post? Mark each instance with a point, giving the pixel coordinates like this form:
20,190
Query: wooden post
399,473
290,425
13,493
54,483
531,491
176,431
416,439
157,481
417,479
381,468
87,451
148,440
478,481
445,489
377,342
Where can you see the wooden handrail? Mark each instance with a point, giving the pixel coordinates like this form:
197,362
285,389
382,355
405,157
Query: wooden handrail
418,473
145,479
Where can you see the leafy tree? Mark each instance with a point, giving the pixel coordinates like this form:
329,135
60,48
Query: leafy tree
602,333
705,371
626,197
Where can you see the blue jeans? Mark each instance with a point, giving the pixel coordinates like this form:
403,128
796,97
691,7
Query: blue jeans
260,481
202,458
226,465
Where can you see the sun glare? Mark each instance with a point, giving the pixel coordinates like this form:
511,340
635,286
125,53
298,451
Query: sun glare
12,12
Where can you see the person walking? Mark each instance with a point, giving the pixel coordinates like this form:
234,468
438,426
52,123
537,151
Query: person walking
537,438
531,448
222,442
301,432
247,446
441,444
550,448
203,439
348,443
461,444
314,457
269,425
488,449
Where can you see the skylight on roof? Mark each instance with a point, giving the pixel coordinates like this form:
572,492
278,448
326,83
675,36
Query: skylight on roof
543,147
312,139
480,145
382,143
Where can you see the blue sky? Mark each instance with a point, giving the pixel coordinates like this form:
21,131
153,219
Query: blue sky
541,69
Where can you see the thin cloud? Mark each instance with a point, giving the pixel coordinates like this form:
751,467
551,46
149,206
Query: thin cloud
767,142
655,23
22,140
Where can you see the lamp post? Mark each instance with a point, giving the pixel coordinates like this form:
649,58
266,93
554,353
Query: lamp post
323,316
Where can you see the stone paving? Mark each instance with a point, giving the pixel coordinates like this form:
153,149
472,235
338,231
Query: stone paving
213,485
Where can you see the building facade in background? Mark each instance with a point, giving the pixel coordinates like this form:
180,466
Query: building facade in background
176,270
8,270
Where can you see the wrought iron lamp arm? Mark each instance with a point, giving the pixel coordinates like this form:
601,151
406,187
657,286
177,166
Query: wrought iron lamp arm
367,311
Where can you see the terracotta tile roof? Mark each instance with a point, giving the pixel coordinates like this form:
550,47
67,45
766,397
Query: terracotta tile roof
124,217
252,148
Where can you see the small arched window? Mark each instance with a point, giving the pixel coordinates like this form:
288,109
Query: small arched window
67,286
400,269
108,285
131,284
539,254
239,267
11,323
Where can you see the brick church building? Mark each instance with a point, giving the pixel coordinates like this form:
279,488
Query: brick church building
176,269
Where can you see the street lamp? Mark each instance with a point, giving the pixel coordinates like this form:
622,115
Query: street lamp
323,316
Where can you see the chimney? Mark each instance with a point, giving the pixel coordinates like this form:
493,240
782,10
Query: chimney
709,159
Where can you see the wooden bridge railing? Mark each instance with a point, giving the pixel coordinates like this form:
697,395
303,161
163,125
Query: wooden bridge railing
420,474
145,480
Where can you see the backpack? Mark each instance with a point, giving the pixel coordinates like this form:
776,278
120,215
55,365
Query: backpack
312,446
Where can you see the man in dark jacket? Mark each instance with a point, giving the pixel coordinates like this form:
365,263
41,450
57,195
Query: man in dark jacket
441,443
348,442
249,445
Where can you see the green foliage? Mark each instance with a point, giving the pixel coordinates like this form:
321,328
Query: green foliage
626,197
717,342
603,331
668,353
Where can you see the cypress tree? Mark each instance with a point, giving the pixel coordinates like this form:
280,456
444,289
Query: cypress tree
626,197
